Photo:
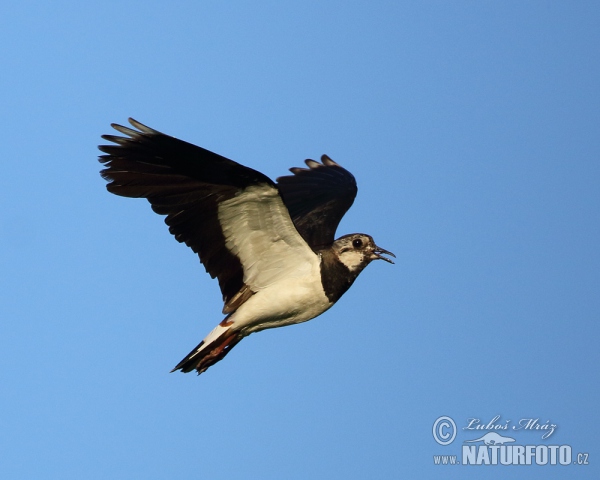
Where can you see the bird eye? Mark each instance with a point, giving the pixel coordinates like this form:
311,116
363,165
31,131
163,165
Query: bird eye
357,243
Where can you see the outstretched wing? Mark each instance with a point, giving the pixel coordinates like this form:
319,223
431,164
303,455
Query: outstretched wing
230,215
317,198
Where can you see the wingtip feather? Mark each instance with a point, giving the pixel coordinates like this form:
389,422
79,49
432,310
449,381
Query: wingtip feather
326,160
141,127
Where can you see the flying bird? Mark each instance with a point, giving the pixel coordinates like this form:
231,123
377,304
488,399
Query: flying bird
271,245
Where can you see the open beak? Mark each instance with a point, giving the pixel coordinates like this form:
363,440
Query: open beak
377,254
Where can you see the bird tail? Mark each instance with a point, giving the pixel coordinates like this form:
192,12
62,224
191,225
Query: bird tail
212,349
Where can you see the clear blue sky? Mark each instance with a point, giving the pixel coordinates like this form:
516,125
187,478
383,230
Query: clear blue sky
473,129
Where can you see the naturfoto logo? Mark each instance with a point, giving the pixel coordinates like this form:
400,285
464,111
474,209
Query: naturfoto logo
493,445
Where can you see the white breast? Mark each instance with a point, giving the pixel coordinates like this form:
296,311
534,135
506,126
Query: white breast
289,301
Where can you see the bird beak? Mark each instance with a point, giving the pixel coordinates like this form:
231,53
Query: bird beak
376,255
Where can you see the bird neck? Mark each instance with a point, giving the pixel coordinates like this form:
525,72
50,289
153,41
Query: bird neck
336,277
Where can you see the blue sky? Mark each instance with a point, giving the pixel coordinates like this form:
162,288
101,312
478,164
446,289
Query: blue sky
473,131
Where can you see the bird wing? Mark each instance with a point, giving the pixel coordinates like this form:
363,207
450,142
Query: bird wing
317,198
232,216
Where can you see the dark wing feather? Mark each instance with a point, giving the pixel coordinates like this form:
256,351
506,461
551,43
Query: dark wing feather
317,198
185,183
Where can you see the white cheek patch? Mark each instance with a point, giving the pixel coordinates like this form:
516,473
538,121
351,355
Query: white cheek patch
353,259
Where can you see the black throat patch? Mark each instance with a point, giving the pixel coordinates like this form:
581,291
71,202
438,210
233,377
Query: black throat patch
336,278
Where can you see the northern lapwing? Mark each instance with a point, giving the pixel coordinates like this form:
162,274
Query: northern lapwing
271,245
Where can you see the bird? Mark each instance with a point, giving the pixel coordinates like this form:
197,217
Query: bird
270,244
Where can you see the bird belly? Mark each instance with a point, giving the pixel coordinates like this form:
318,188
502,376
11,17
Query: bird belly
284,303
